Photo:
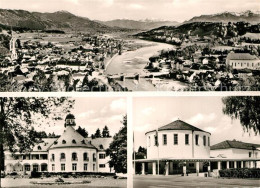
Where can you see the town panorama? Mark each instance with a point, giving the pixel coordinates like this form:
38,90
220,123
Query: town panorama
60,51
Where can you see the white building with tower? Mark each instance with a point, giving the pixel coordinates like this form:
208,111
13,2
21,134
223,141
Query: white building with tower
180,148
71,152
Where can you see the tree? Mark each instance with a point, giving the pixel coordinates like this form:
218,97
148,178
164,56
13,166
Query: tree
244,108
105,132
97,134
118,149
17,115
82,131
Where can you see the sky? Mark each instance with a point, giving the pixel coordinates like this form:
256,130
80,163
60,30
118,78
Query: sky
92,113
202,112
173,10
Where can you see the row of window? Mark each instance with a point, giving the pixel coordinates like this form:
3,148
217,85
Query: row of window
74,167
176,140
74,156
245,64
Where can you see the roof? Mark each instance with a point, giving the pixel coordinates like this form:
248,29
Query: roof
234,144
97,142
71,138
179,125
241,56
70,116
44,145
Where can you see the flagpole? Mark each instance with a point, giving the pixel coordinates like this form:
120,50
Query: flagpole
157,131
134,149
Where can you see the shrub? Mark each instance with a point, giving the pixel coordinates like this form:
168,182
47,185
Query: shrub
240,173
13,173
65,175
35,174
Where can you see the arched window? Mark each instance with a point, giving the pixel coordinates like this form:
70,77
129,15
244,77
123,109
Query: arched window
52,157
39,148
63,141
94,157
101,146
83,142
85,156
74,141
62,156
74,156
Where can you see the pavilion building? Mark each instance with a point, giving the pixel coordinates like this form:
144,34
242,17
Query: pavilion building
180,148
71,152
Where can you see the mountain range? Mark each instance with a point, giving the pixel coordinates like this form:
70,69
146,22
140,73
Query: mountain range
247,16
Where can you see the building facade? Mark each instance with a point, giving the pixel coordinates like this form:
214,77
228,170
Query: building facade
71,152
243,61
180,148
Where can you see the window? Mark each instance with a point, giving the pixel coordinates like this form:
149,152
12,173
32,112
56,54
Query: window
39,148
83,142
62,167
74,141
62,156
149,141
94,157
74,157
102,156
101,146
187,139
85,157
204,140
27,167
175,139
52,157
164,139
94,167
74,166
250,154
53,167
63,141
102,166
191,165
155,140
197,139
256,155
208,141
85,166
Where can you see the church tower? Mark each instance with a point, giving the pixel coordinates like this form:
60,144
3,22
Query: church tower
70,120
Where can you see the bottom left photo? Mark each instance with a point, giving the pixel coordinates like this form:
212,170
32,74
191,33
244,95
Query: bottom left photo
54,141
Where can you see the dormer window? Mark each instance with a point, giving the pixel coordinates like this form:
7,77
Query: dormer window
63,141
55,142
101,146
39,148
74,141
83,142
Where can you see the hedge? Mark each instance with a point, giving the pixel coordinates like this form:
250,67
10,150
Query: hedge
240,173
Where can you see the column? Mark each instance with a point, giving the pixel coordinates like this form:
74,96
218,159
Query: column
242,164
251,164
184,169
235,164
167,168
219,165
209,168
154,168
134,168
143,168
197,168
227,164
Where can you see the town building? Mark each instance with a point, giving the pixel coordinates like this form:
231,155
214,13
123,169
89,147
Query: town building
243,61
71,152
180,148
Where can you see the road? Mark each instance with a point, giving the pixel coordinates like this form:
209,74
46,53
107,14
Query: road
172,181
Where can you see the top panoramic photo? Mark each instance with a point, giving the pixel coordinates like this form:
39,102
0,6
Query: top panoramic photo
129,45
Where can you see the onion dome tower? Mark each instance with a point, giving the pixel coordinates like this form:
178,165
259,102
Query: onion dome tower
70,120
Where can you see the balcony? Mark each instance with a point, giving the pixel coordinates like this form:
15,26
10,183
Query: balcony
74,159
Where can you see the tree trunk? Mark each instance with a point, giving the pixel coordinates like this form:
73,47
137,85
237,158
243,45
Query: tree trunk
2,160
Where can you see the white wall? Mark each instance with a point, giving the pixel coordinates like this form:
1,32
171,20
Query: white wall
179,151
242,64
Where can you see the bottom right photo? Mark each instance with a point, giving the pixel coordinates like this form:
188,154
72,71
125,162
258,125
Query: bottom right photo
196,141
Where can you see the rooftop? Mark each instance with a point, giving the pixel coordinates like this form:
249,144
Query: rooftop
241,56
234,144
179,125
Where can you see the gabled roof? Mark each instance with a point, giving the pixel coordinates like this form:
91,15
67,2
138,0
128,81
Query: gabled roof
234,144
100,142
44,145
241,56
179,125
71,138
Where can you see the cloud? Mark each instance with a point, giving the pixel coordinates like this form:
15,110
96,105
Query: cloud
86,114
148,111
202,118
118,105
136,6
143,128
115,118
